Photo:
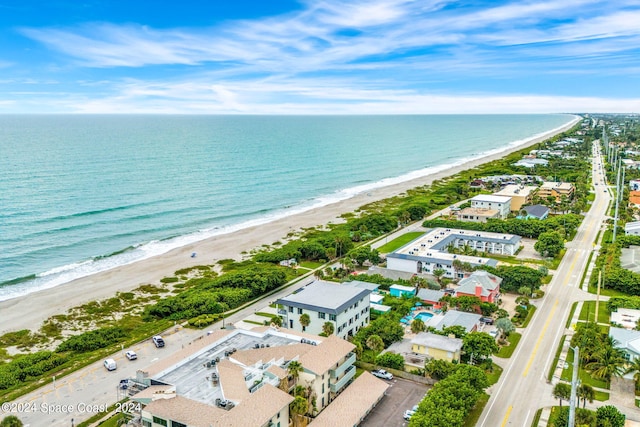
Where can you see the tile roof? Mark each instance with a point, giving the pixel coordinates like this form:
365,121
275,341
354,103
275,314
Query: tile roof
232,381
353,404
186,411
324,356
258,409
488,281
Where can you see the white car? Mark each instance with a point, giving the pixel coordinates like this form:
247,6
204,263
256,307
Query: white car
381,373
408,414
131,355
110,365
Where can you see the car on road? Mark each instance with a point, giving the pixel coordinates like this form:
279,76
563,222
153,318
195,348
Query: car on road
494,333
487,320
381,373
408,414
110,364
158,341
131,355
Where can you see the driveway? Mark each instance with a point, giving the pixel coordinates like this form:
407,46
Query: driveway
402,395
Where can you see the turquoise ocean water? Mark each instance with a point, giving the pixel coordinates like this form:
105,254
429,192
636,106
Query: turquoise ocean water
82,194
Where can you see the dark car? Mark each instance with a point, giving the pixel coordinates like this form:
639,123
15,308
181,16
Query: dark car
487,320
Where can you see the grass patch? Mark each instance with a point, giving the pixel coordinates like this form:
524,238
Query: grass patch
552,369
494,375
474,415
573,310
584,273
593,289
507,350
536,418
532,309
253,322
311,265
399,242
588,312
264,314
601,396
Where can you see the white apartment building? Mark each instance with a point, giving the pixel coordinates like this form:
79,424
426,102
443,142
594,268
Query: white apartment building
490,201
346,306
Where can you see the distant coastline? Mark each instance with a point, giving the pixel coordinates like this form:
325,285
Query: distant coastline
28,311
38,281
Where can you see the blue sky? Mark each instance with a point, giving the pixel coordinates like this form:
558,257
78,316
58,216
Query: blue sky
319,57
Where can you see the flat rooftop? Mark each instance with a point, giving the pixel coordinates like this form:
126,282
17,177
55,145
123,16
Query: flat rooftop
328,296
439,238
516,190
193,378
490,198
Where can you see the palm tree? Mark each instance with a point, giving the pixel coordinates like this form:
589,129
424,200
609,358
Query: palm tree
418,282
11,421
294,369
298,407
585,392
634,366
339,244
417,326
562,391
328,328
304,321
609,361
375,343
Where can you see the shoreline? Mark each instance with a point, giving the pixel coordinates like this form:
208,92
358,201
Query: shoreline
29,311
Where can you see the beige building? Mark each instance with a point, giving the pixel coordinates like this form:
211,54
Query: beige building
476,214
520,195
556,189
240,378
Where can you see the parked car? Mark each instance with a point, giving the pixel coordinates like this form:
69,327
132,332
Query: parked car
494,333
381,373
158,341
487,320
131,355
110,364
408,414
124,384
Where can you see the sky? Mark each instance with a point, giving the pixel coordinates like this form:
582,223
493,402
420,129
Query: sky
319,56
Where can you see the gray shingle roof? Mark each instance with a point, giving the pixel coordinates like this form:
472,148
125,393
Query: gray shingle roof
537,211
439,342
459,318
430,294
483,278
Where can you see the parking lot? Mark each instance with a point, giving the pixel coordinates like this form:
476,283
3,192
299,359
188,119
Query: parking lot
402,395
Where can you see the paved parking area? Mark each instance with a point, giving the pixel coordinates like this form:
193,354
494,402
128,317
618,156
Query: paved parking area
402,395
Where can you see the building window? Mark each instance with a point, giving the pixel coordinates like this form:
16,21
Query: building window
351,321
290,323
344,325
357,316
146,423
332,317
339,329
290,309
160,421
323,402
177,424
320,315
299,311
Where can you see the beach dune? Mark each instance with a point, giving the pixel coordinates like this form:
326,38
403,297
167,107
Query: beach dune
29,311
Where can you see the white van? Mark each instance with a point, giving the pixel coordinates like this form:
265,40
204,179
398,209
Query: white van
110,364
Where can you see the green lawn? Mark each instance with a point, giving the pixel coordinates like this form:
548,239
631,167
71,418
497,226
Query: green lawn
264,314
607,292
573,309
601,396
311,265
507,351
532,309
398,242
588,312
494,376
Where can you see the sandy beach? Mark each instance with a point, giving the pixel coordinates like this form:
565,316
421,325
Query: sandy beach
28,312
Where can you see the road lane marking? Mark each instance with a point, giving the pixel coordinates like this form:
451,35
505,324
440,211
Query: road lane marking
506,417
544,330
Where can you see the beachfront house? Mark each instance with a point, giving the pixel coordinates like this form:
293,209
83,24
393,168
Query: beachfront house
344,305
481,284
556,190
501,204
431,297
476,214
438,347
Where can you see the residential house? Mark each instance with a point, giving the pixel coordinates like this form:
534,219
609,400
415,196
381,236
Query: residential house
531,163
534,212
481,284
489,201
469,321
519,194
625,317
634,184
435,346
399,291
632,228
431,297
346,306
634,199
628,340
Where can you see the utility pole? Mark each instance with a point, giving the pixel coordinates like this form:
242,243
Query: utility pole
615,219
598,295
574,386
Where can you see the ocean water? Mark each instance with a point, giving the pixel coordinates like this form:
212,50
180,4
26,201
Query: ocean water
82,194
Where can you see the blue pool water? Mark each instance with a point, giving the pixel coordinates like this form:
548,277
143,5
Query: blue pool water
423,316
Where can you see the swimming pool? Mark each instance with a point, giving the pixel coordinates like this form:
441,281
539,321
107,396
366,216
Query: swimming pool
424,316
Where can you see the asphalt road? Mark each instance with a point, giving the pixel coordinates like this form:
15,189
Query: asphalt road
400,396
523,386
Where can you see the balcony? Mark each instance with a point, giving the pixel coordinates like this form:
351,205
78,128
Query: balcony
348,376
351,359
